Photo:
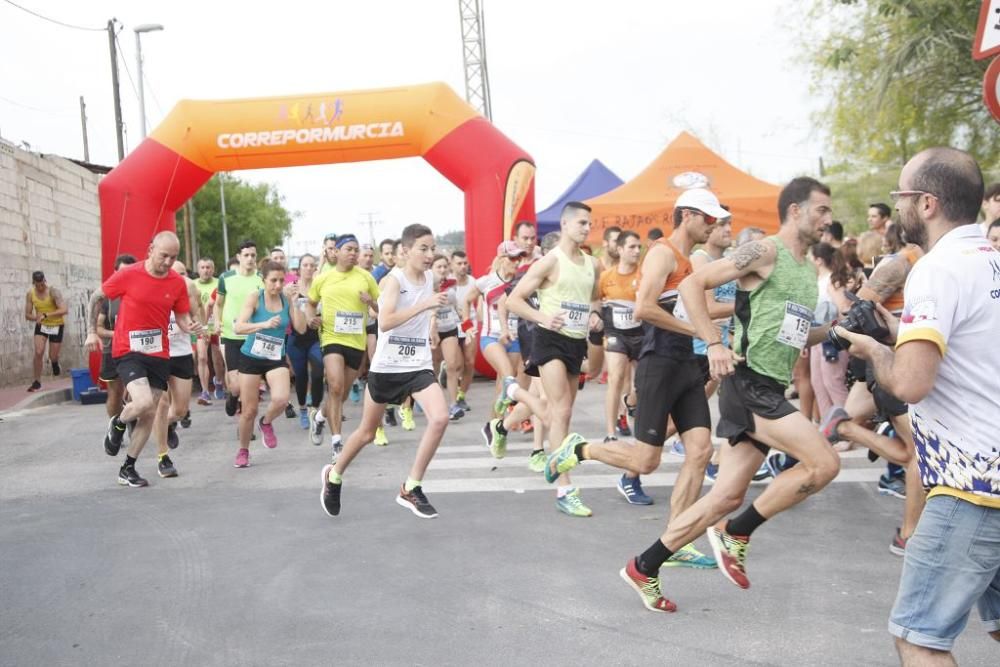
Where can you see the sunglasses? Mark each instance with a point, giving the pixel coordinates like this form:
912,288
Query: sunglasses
896,195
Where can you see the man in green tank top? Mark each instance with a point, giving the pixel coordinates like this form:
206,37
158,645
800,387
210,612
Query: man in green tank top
233,289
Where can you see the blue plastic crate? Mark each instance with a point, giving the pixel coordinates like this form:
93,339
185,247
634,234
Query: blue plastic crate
81,381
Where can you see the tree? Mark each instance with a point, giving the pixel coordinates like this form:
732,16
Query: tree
900,77
453,240
253,211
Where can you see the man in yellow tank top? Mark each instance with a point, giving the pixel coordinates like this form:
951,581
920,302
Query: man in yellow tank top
566,282
46,307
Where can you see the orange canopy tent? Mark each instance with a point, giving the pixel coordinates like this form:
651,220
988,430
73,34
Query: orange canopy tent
647,200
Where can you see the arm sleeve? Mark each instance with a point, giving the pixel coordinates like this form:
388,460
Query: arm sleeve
929,306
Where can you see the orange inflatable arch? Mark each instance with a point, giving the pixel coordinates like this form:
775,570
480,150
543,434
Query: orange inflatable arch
198,138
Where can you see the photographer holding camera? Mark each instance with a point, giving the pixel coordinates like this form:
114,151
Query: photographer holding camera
944,366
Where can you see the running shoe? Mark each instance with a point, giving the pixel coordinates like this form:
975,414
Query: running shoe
172,439
894,486
495,441
610,438
455,413
898,544
127,476
603,379
290,411
329,497
35,386
564,458
631,488
712,471
380,438
536,463
242,459
304,418
688,556
503,400
570,504
776,462
185,421
231,402
390,417
220,391
415,501
832,419
630,409
886,429
676,447
763,472
621,428
581,382
648,588
407,415
336,447
115,436
56,370
204,398
316,429
731,554
527,426
165,467
462,404
267,430
355,392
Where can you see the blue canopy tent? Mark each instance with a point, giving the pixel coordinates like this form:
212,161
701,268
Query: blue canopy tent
595,180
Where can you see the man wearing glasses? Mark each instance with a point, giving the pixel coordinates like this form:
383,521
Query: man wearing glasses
945,366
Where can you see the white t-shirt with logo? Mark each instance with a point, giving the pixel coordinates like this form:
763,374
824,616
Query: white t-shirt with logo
952,299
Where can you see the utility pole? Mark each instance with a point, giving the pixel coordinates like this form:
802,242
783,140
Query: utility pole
119,129
139,29
83,123
194,234
225,231
371,225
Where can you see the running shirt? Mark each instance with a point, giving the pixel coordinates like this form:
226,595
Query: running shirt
723,294
911,253
205,291
492,287
144,315
572,294
659,341
345,317
447,315
46,305
268,344
406,348
773,319
235,287
380,272
953,301
180,342
462,291
617,292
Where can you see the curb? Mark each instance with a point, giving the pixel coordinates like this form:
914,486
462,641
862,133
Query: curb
41,399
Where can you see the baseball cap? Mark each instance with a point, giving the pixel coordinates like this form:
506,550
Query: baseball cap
702,200
510,249
37,277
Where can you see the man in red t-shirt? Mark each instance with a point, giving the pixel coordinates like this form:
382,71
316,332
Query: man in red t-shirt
140,349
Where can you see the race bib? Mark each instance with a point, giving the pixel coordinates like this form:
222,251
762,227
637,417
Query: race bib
267,347
577,315
172,329
49,329
512,322
349,322
447,318
494,323
147,341
794,329
406,352
623,317
680,312
301,303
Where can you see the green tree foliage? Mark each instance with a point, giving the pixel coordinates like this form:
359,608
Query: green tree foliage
453,240
900,77
253,211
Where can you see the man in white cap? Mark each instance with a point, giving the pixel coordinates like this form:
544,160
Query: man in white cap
669,381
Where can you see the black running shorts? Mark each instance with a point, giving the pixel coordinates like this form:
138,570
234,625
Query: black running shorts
668,387
53,338
231,352
135,366
109,371
628,344
182,367
252,366
548,345
394,388
352,355
596,337
743,395
450,333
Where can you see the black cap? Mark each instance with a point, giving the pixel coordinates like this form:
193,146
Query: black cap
38,277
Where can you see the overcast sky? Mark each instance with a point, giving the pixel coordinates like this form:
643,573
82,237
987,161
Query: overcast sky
571,81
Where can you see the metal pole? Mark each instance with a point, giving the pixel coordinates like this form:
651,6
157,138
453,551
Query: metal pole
194,233
83,123
225,231
114,88
142,89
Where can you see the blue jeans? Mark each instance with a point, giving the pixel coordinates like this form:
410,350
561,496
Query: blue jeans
952,562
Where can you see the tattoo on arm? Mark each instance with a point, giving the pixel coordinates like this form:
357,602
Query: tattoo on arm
888,279
747,254
97,300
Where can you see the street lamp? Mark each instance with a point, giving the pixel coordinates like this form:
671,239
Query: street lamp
145,27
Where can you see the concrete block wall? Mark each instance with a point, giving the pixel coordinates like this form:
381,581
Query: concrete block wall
49,221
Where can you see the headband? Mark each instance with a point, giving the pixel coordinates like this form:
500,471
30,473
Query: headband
345,239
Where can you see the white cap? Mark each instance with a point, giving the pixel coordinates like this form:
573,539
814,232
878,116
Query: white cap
702,200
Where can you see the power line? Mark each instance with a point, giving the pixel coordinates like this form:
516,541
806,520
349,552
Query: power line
51,20
31,108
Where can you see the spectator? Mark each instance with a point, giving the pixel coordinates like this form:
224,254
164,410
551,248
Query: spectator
993,233
749,234
879,216
827,364
991,206
654,234
833,235
869,246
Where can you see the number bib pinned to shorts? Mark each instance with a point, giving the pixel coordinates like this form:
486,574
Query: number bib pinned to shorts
267,347
794,329
49,329
147,341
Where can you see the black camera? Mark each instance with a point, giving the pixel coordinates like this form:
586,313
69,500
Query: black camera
862,318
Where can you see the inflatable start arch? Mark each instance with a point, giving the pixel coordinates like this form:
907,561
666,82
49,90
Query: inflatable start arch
198,138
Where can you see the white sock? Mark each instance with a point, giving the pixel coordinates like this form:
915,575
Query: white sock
335,439
511,389
319,417
563,490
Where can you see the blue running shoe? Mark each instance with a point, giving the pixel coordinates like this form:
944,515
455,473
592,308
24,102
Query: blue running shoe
304,418
677,447
776,463
356,392
220,392
711,471
503,401
688,556
763,472
631,488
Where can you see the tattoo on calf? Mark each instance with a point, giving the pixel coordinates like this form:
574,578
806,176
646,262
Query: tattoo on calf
749,253
806,489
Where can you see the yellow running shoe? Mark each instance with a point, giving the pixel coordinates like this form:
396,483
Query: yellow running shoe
407,415
572,505
380,438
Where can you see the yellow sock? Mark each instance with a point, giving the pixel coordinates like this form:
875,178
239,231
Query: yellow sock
411,484
335,477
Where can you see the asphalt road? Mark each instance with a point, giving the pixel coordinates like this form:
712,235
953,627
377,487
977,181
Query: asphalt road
222,566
